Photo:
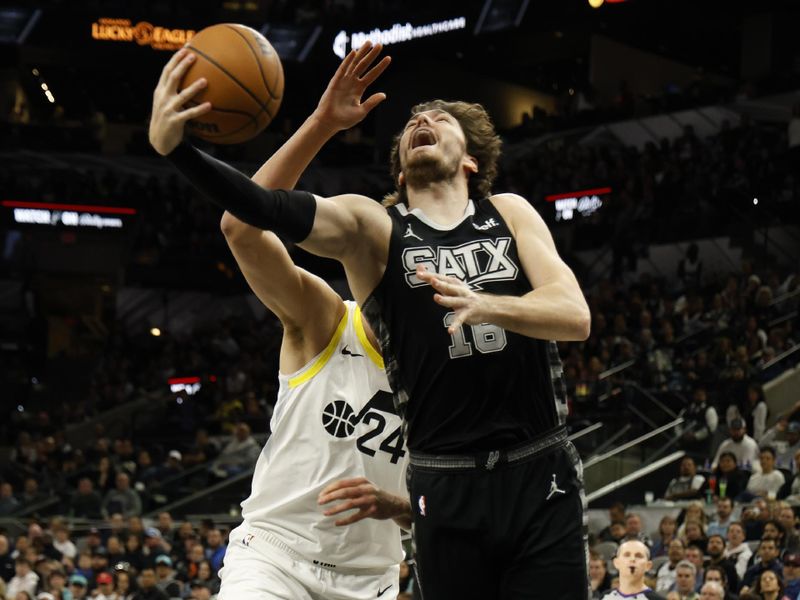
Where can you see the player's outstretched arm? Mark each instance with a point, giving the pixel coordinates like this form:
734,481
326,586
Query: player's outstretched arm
554,310
370,501
341,227
298,298
340,108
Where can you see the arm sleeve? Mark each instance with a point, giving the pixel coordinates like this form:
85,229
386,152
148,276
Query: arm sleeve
286,212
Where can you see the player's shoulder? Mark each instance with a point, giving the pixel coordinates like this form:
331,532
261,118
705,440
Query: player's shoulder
509,200
512,204
515,210
357,200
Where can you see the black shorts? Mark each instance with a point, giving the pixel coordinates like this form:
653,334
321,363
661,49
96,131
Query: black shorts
501,530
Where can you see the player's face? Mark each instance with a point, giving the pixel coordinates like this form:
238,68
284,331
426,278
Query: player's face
631,561
432,148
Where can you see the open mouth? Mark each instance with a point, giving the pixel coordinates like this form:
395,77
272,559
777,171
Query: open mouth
633,570
422,137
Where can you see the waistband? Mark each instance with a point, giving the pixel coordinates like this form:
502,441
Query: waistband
488,460
247,533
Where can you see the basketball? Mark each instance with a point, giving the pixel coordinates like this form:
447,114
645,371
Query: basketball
245,83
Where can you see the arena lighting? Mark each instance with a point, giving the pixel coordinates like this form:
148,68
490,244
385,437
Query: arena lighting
155,332
755,201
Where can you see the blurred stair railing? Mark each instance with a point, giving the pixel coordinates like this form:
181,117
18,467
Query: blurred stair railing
781,357
595,460
206,491
785,297
638,474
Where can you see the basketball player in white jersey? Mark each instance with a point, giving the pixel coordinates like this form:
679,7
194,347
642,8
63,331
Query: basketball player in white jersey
336,436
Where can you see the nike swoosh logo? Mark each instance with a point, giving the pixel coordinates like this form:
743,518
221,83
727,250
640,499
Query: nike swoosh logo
382,592
347,352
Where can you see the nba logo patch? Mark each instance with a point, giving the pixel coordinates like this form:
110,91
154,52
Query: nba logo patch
247,539
421,503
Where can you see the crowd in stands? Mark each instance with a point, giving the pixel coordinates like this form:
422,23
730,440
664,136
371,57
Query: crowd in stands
734,521
730,543
125,560
709,340
706,340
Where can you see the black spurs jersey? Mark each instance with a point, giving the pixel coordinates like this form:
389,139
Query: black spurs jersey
483,387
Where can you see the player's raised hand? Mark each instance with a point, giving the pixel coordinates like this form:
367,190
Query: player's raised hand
469,306
340,106
169,115
369,500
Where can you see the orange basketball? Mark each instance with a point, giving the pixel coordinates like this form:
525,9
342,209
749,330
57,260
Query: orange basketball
245,83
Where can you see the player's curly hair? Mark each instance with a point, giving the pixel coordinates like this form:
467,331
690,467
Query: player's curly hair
483,144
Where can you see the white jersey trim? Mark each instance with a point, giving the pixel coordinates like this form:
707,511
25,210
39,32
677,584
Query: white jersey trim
417,212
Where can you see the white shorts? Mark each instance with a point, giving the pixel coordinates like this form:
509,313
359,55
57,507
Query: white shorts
257,568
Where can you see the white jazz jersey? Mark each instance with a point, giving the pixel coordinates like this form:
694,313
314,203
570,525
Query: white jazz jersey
334,419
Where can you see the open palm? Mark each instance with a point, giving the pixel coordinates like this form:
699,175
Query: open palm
341,106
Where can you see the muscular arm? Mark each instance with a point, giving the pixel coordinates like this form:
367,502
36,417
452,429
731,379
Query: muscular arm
347,228
554,310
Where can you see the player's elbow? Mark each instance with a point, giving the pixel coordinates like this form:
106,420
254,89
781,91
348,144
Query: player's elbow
234,230
583,325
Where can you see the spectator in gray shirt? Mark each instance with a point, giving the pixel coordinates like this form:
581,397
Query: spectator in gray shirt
238,455
122,499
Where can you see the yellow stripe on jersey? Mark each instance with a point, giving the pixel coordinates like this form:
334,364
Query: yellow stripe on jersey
323,358
362,337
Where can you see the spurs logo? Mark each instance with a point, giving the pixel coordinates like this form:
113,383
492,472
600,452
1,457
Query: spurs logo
494,456
474,263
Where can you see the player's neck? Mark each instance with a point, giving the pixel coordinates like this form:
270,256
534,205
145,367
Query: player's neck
442,201
632,587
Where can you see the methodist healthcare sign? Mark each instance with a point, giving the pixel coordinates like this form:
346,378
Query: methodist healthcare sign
395,34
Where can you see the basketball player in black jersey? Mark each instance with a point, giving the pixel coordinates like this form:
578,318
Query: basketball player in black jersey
466,293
